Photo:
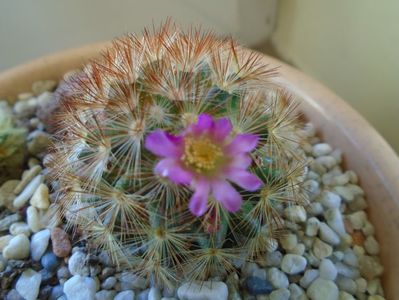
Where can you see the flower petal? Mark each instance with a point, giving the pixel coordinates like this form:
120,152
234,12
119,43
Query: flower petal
240,161
204,124
226,195
242,143
163,144
171,168
244,179
221,129
199,201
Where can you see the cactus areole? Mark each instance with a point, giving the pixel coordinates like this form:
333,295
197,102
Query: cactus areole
176,152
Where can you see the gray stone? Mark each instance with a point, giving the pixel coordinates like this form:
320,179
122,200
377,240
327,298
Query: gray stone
17,248
130,281
371,245
51,262
258,286
125,295
154,294
295,213
108,283
334,219
307,278
321,149
322,289
312,226
80,288
39,244
277,278
327,270
321,249
328,235
293,264
105,295
346,284
77,264
6,222
280,294
207,290
28,284
330,199
20,228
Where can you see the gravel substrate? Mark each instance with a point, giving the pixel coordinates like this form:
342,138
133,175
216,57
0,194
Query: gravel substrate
328,252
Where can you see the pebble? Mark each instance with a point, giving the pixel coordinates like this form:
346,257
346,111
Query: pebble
7,195
322,289
60,242
4,241
258,286
80,288
6,222
289,241
327,270
28,284
77,264
293,264
130,281
345,296
280,294
346,284
328,235
321,149
13,295
347,271
56,292
27,192
17,248
39,243
207,290
108,283
33,219
105,295
307,278
321,249
273,259
40,87
334,219
51,262
330,199
295,213
371,245
326,161
143,295
350,258
154,294
27,177
296,292
369,267
20,228
125,295
312,226
40,198
277,278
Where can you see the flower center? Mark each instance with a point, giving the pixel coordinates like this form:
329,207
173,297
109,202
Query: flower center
201,154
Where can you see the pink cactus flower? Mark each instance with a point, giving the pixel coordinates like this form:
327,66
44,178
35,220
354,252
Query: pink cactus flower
207,157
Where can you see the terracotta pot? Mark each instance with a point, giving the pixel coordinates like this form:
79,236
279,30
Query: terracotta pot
365,151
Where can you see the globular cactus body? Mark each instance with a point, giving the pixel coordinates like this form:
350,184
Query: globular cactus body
175,153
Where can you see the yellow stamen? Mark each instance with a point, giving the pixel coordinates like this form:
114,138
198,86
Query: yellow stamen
201,154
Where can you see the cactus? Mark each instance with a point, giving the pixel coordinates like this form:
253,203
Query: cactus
12,145
176,152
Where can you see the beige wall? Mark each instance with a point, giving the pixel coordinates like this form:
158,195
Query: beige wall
352,47
32,28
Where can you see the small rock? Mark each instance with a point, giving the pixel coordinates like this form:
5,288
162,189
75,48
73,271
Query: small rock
40,87
130,281
369,267
143,295
350,258
39,243
108,283
296,292
280,294
125,295
154,294
40,197
295,213
307,278
105,295
293,264
33,219
27,177
56,292
258,286
321,149
326,161
80,288
207,290
6,222
330,200
77,264
345,296
20,228
63,272
371,245
60,242
328,235
50,262
17,248
28,191
13,295
273,259
346,284
334,219
321,249
28,284
347,271
312,226
289,241
4,241
322,289
361,284
327,270
7,195
277,278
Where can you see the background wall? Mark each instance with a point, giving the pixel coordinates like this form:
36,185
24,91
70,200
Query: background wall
29,29
352,47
